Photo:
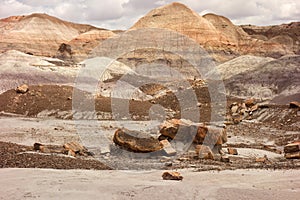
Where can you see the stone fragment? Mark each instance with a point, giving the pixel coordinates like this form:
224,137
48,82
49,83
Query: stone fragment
295,155
234,109
232,151
261,159
167,148
292,147
294,104
172,176
250,102
225,158
204,152
75,147
22,89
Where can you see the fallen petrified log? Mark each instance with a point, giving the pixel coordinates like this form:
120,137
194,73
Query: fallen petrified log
70,148
292,150
185,130
136,141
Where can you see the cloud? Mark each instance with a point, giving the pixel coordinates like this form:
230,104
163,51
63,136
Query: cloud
121,14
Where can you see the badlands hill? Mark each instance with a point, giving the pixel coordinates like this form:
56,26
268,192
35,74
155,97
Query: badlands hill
39,48
43,35
286,34
215,33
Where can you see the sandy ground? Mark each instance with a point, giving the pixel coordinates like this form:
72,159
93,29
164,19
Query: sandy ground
82,184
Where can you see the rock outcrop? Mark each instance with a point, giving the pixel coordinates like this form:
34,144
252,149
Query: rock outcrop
267,79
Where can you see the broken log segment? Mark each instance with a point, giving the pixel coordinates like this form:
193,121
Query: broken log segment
196,132
136,141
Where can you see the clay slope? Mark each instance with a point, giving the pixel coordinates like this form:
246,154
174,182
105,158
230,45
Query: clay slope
17,68
264,78
215,33
38,34
78,48
285,34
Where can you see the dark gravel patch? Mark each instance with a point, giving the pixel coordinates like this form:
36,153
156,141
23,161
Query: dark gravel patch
13,156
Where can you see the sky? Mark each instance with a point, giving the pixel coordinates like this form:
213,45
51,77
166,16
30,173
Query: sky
122,14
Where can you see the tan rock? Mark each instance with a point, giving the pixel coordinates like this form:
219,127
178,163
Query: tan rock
292,147
136,141
75,147
254,108
261,159
204,152
234,109
71,153
225,158
250,102
294,104
294,155
232,151
167,148
172,176
22,89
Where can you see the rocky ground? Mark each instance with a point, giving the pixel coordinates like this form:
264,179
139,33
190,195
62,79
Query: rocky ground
20,156
258,131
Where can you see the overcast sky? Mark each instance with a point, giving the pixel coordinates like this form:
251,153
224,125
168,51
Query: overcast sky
121,14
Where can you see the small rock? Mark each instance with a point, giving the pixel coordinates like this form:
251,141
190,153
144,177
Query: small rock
172,176
222,152
295,155
254,108
167,148
22,89
294,104
225,158
232,151
234,109
204,152
71,153
236,118
250,102
37,146
168,164
261,159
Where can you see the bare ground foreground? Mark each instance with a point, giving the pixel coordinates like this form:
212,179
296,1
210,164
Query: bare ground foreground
82,184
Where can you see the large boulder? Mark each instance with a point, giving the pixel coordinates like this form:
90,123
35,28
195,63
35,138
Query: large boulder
208,134
136,141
